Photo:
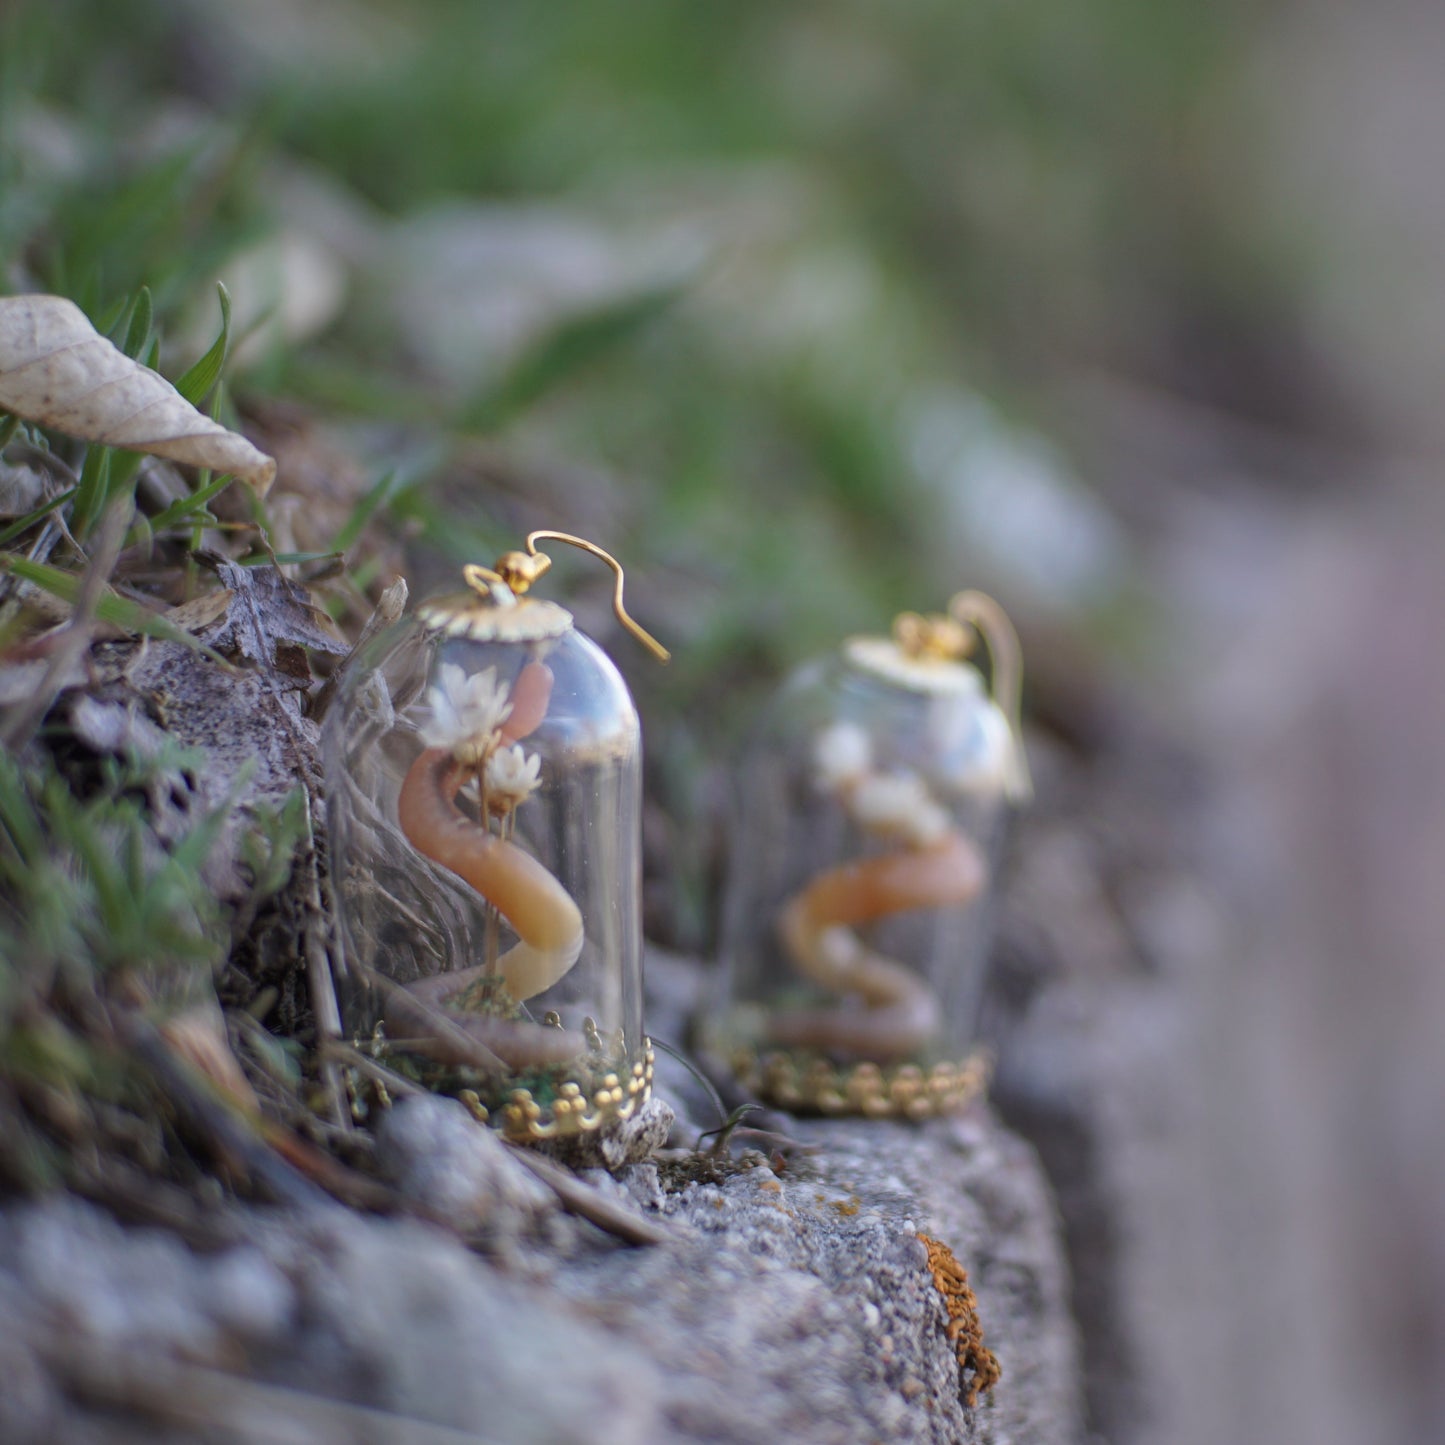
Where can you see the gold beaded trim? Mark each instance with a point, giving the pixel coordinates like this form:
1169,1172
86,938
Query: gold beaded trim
573,1111
812,1085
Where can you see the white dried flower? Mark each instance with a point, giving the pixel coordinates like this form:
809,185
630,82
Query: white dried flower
927,825
465,712
511,778
841,755
897,805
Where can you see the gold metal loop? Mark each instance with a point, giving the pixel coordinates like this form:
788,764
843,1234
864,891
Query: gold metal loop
980,612
640,633
934,636
520,569
482,579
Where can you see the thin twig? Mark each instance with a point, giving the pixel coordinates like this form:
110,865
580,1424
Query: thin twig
40,550
719,1146
396,1084
350,1186
467,1049
776,1139
583,1200
699,1076
47,459
51,535
320,980
75,640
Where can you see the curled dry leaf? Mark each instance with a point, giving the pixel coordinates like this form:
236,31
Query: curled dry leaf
56,369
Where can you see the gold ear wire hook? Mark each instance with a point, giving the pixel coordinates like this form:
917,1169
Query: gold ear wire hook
640,633
979,611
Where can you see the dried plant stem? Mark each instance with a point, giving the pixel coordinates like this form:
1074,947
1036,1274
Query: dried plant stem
581,1199
320,978
395,1084
358,1190
40,549
462,1047
75,640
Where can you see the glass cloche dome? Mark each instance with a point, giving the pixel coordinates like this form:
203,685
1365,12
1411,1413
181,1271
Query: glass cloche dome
870,804
483,765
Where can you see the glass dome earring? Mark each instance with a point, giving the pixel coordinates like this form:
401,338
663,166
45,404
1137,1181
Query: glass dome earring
483,783
871,803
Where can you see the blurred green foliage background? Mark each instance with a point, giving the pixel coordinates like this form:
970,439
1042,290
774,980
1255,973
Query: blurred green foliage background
771,300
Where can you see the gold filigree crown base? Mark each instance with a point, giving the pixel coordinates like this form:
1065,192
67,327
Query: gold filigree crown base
573,1109
809,1084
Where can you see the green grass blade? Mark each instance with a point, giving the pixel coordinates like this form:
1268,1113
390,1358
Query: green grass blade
94,488
197,381
104,871
341,386
123,468
183,510
23,524
142,318
119,611
363,512
108,321
19,821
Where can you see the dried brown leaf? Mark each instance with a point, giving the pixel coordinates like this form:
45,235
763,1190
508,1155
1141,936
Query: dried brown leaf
199,613
56,369
271,609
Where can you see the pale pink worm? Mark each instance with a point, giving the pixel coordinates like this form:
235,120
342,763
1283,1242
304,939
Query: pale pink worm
543,914
531,694
900,1011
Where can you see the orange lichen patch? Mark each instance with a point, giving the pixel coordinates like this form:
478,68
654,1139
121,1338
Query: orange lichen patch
978,1370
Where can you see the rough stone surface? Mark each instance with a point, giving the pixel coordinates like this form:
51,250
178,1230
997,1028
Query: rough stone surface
797,1305
395,1317
790,1303
432,1150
